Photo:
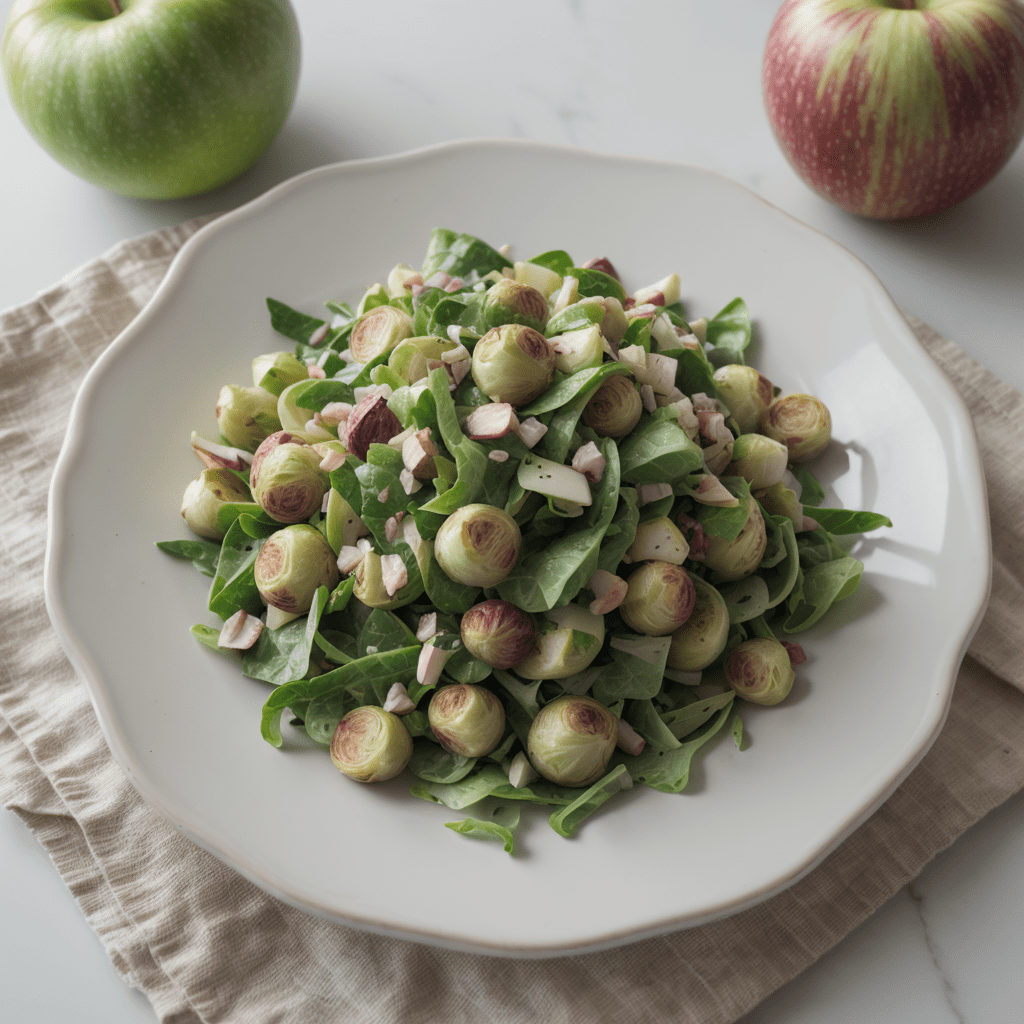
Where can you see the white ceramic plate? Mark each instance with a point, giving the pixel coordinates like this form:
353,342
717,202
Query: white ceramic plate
184,723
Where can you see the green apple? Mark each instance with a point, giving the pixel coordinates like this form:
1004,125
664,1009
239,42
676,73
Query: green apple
152,98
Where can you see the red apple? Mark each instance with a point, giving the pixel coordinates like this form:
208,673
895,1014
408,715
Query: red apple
896,108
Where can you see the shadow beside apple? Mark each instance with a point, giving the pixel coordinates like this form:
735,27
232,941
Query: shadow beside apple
977,240
301,145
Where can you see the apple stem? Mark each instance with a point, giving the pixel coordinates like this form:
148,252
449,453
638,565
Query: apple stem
902,5
116,6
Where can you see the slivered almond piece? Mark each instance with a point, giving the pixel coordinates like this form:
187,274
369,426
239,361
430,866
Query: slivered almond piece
426,627
589,461
609,591
491,421
531,431
629,740
240,632
394,573
398,701
348,559
520,772
646,493
431,660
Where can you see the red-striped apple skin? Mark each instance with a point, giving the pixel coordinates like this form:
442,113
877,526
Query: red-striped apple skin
896,108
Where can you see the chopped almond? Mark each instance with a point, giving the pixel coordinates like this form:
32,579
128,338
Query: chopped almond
394,573
589,461
490,422
398,701
240,632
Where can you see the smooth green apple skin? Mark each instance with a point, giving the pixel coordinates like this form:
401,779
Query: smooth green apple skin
168,98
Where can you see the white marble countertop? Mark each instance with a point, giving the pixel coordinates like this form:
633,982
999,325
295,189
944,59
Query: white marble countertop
673,80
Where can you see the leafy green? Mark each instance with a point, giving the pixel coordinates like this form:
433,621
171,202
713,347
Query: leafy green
567,820
433,763
637,668
658,450
822,586
458,254
668,769
499,826
203,554
811,493
470,457
234,583
291,323
557,260
551,577
283,655
844,521
597,283
729,333
579,384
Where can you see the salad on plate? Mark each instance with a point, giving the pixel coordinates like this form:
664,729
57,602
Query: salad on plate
516,531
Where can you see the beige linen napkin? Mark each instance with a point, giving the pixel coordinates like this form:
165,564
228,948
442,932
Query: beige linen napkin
206,945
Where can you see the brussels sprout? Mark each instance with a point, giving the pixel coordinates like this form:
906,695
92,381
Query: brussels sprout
467,720
746,393
758,459
204,497
498,633
277,370
734,559
703,636
292,564
478,545
290,485
513,364
568,648
267,445
802,423
371,744
379,331
245,416
571,740
615,408
659,599
510,302
780,500
760,671
659,539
